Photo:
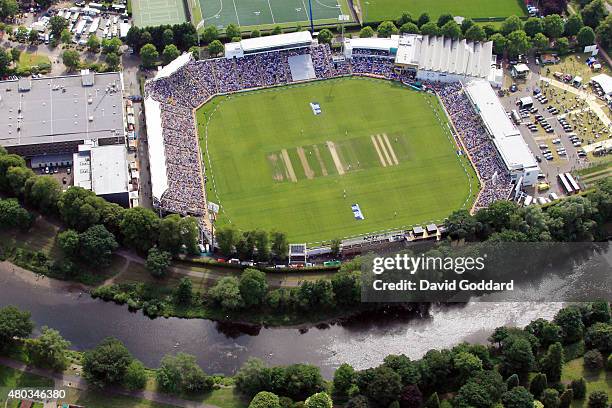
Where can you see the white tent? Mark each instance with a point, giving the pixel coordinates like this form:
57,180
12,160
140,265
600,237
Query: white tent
605,81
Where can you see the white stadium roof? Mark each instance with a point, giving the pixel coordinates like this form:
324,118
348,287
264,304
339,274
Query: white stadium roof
173,66
442,54
507,138
155,141
383,44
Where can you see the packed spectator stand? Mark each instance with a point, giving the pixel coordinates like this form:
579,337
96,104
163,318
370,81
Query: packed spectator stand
197,81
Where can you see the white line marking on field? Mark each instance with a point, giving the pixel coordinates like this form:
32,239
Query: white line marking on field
380,156
384,149
391,151
236,10
271,13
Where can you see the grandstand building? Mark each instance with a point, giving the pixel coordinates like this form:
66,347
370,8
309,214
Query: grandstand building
54,115
432,58
249,46
509,143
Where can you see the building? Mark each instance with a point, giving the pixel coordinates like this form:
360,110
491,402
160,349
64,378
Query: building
258,45
433,58
512,148
103,170
519,71
54,115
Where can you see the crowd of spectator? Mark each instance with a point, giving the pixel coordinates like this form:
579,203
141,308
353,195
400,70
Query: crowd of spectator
195,82
482,152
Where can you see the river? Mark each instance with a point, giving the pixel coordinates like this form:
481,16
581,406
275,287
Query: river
222,348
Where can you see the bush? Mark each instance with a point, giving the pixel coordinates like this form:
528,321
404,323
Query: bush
578,388
598,399
265,399
135,376
593,360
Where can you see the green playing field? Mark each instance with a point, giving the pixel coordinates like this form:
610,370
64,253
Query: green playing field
157,12
273,164
379,10
256,13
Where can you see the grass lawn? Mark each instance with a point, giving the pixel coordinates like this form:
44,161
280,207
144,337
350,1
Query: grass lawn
596,381
273,164
575,64
378,10
27,59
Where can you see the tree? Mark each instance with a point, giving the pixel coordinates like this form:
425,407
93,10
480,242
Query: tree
227,237
423,19
65,36
12,215
97,244
343,380
6,162
380,384
411,397
466,24
253,377
49,349
68,241
408,370
183,293
461,224
112,61
107,363
21,33
430,28
444,18
599,336
573,25
533,25
451,29
511,24
410,28
593,360
170,53
593,13
57,24
170,234
8,8
366,32
93,43
215,47
139,228
552,362
570,320
265,399
386,29
550,398
318,400
181,373
262,245
226,293
158,262
475,33
565,401
598,399
540,42
279,245
253,287
553,26
168,36
43,192
604,32
149,55
517,356
466,364
578,387
512,381
13,324
538,384
232,31
301,380
325,36
5,61
71,59
135,376
210,34
517,397
111,45
586,36
16,178
32,36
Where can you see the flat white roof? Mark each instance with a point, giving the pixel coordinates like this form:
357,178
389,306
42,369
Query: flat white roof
507,138
174,65
605,81
155,141
109,172
273,41
383,44
521,68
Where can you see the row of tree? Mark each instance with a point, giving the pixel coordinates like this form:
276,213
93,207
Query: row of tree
109,363
95,226
521,369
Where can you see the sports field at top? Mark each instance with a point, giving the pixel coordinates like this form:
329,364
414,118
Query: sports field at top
272,163
379,10
246,13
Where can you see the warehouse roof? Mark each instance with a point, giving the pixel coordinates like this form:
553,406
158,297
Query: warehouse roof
61,109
